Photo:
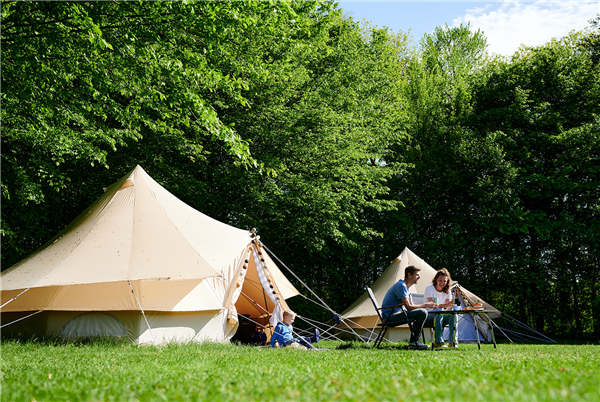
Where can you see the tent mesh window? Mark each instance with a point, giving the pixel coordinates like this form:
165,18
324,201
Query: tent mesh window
91,325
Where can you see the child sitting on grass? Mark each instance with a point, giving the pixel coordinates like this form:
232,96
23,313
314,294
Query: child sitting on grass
283,333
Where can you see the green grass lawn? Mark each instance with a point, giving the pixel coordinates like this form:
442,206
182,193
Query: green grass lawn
45,371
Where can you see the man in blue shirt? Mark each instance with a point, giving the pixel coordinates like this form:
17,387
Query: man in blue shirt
283,333
397,296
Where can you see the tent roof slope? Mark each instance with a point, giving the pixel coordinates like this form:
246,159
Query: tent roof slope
136,230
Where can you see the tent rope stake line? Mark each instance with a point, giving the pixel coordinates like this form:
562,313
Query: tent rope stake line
144,314
323,304
14,297
337,328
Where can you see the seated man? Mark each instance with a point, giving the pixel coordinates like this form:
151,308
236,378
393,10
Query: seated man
396,296
283,333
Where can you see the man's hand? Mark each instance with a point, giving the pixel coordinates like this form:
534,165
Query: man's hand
431,305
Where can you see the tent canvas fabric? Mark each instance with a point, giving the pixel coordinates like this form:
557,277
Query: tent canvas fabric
361,315
137,249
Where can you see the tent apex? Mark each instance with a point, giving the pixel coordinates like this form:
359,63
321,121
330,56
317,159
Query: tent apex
128,183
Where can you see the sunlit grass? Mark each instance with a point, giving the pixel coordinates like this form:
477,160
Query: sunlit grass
101,371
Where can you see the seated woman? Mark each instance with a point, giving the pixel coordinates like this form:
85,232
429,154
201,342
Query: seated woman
440,288
283,333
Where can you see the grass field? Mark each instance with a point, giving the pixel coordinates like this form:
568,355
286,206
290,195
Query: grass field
101,371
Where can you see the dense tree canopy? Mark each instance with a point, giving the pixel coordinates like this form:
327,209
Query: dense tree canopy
505,164
126,82
338,141
546,101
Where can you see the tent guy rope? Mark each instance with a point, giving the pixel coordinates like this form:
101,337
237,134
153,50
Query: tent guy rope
22,318
144,314
310,290
14,297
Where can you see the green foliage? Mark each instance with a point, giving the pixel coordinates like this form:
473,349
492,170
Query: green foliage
109,72
590,43
546,102
216,372
503,188
454,54
82,81
89,90
324,132
154,83
453,171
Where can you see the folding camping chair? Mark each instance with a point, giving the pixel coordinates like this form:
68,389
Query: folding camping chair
384,325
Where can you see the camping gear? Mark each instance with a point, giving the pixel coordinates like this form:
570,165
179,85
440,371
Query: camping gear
383,323
149,265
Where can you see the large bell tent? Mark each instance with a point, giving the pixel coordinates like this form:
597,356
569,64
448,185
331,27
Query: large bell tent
140,263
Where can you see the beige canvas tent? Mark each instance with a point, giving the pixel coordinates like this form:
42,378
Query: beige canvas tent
140,263
361,315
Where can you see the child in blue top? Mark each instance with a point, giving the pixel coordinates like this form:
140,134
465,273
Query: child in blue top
283,333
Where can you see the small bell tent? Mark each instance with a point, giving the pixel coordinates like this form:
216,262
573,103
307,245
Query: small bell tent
361,315
141,264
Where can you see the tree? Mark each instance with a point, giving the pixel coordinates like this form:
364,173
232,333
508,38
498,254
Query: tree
545,101
503,188
321,125
312,96
88,83
590,43
450,167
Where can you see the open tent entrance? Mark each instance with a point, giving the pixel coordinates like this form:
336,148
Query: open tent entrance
257,299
